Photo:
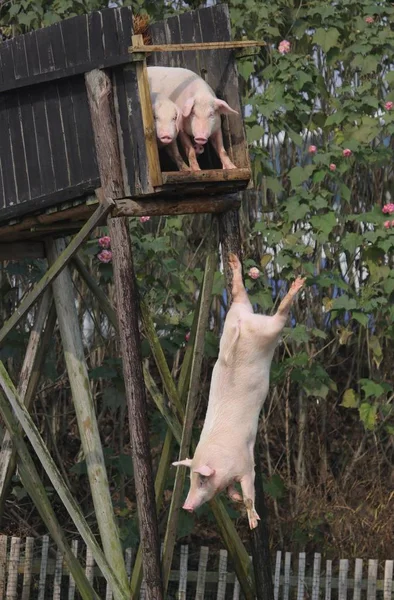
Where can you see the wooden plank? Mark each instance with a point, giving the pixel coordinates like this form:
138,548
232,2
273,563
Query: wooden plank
316,577
211,175
19,250
18,150
358,579
71,580
96,45
3,563
29,138
56,136
7,163
58,52
372,577
278,563
152,153
192,46
342,585
47,174
173,35
57,582
54,271
75,40
109,33
129,561
13,566
70,140
286,578
237,589
301,575
19,57
388,580
27,568
202,569
32,57
222,572
89,568
328,580
7,63
182,588
190,33
43,568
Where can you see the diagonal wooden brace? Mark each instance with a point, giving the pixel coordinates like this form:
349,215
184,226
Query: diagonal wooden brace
104,208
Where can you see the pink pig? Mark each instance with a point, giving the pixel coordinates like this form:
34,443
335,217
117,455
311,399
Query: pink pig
239,386
200,108
168,119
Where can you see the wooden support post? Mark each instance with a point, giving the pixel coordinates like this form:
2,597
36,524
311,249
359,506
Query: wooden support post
230,239
27,385
56,268
127,301
63,292
54,475
172,524
102,112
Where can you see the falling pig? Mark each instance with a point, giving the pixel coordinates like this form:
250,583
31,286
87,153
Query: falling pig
239,386
200,108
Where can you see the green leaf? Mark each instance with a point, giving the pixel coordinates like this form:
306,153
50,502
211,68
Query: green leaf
324,223
326,38
343,302
255,133
371,388
335,118
298,175
361,317
349,399
274,487
245,68
368,415
274,184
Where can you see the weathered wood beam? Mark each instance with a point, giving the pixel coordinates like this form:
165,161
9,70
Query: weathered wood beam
56,268
193,46
128,207
204,176
194,388
63,292
152,152
31,431
128,309
27,386
20,250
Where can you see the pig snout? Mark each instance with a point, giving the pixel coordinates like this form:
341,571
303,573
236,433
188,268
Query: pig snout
200,140
165,139
188,507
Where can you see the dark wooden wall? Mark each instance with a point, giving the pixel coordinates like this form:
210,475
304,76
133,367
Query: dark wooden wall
47,152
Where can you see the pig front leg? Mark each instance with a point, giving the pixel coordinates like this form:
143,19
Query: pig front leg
217,142
189,150
174,154
248,492
240,295
285,305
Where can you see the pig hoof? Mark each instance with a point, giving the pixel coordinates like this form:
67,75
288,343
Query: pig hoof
229,165
234,262
297,284
253,520
185,167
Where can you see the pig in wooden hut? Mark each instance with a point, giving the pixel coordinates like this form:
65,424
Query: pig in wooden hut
239,386
168,119
201,110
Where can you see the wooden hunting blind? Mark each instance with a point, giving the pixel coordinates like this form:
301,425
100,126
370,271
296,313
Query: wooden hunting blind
48,156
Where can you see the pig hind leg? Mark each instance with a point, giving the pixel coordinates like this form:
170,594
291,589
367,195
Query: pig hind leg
234,494
238,289
247,485
285,305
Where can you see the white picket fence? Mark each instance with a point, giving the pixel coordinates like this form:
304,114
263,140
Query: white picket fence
29,572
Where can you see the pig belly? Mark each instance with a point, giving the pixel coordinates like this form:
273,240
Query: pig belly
235,402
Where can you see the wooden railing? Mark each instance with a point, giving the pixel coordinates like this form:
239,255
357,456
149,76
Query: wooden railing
32,569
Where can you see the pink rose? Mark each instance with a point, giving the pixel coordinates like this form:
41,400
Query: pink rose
347,152
388,105
254,273
284,47
105,241
333,167
369,19
105,256
312,149
144,219
187,336
388,208
387,224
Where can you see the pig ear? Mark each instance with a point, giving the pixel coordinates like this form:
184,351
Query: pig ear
187,462
178,118
187,107
204,470
224,108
